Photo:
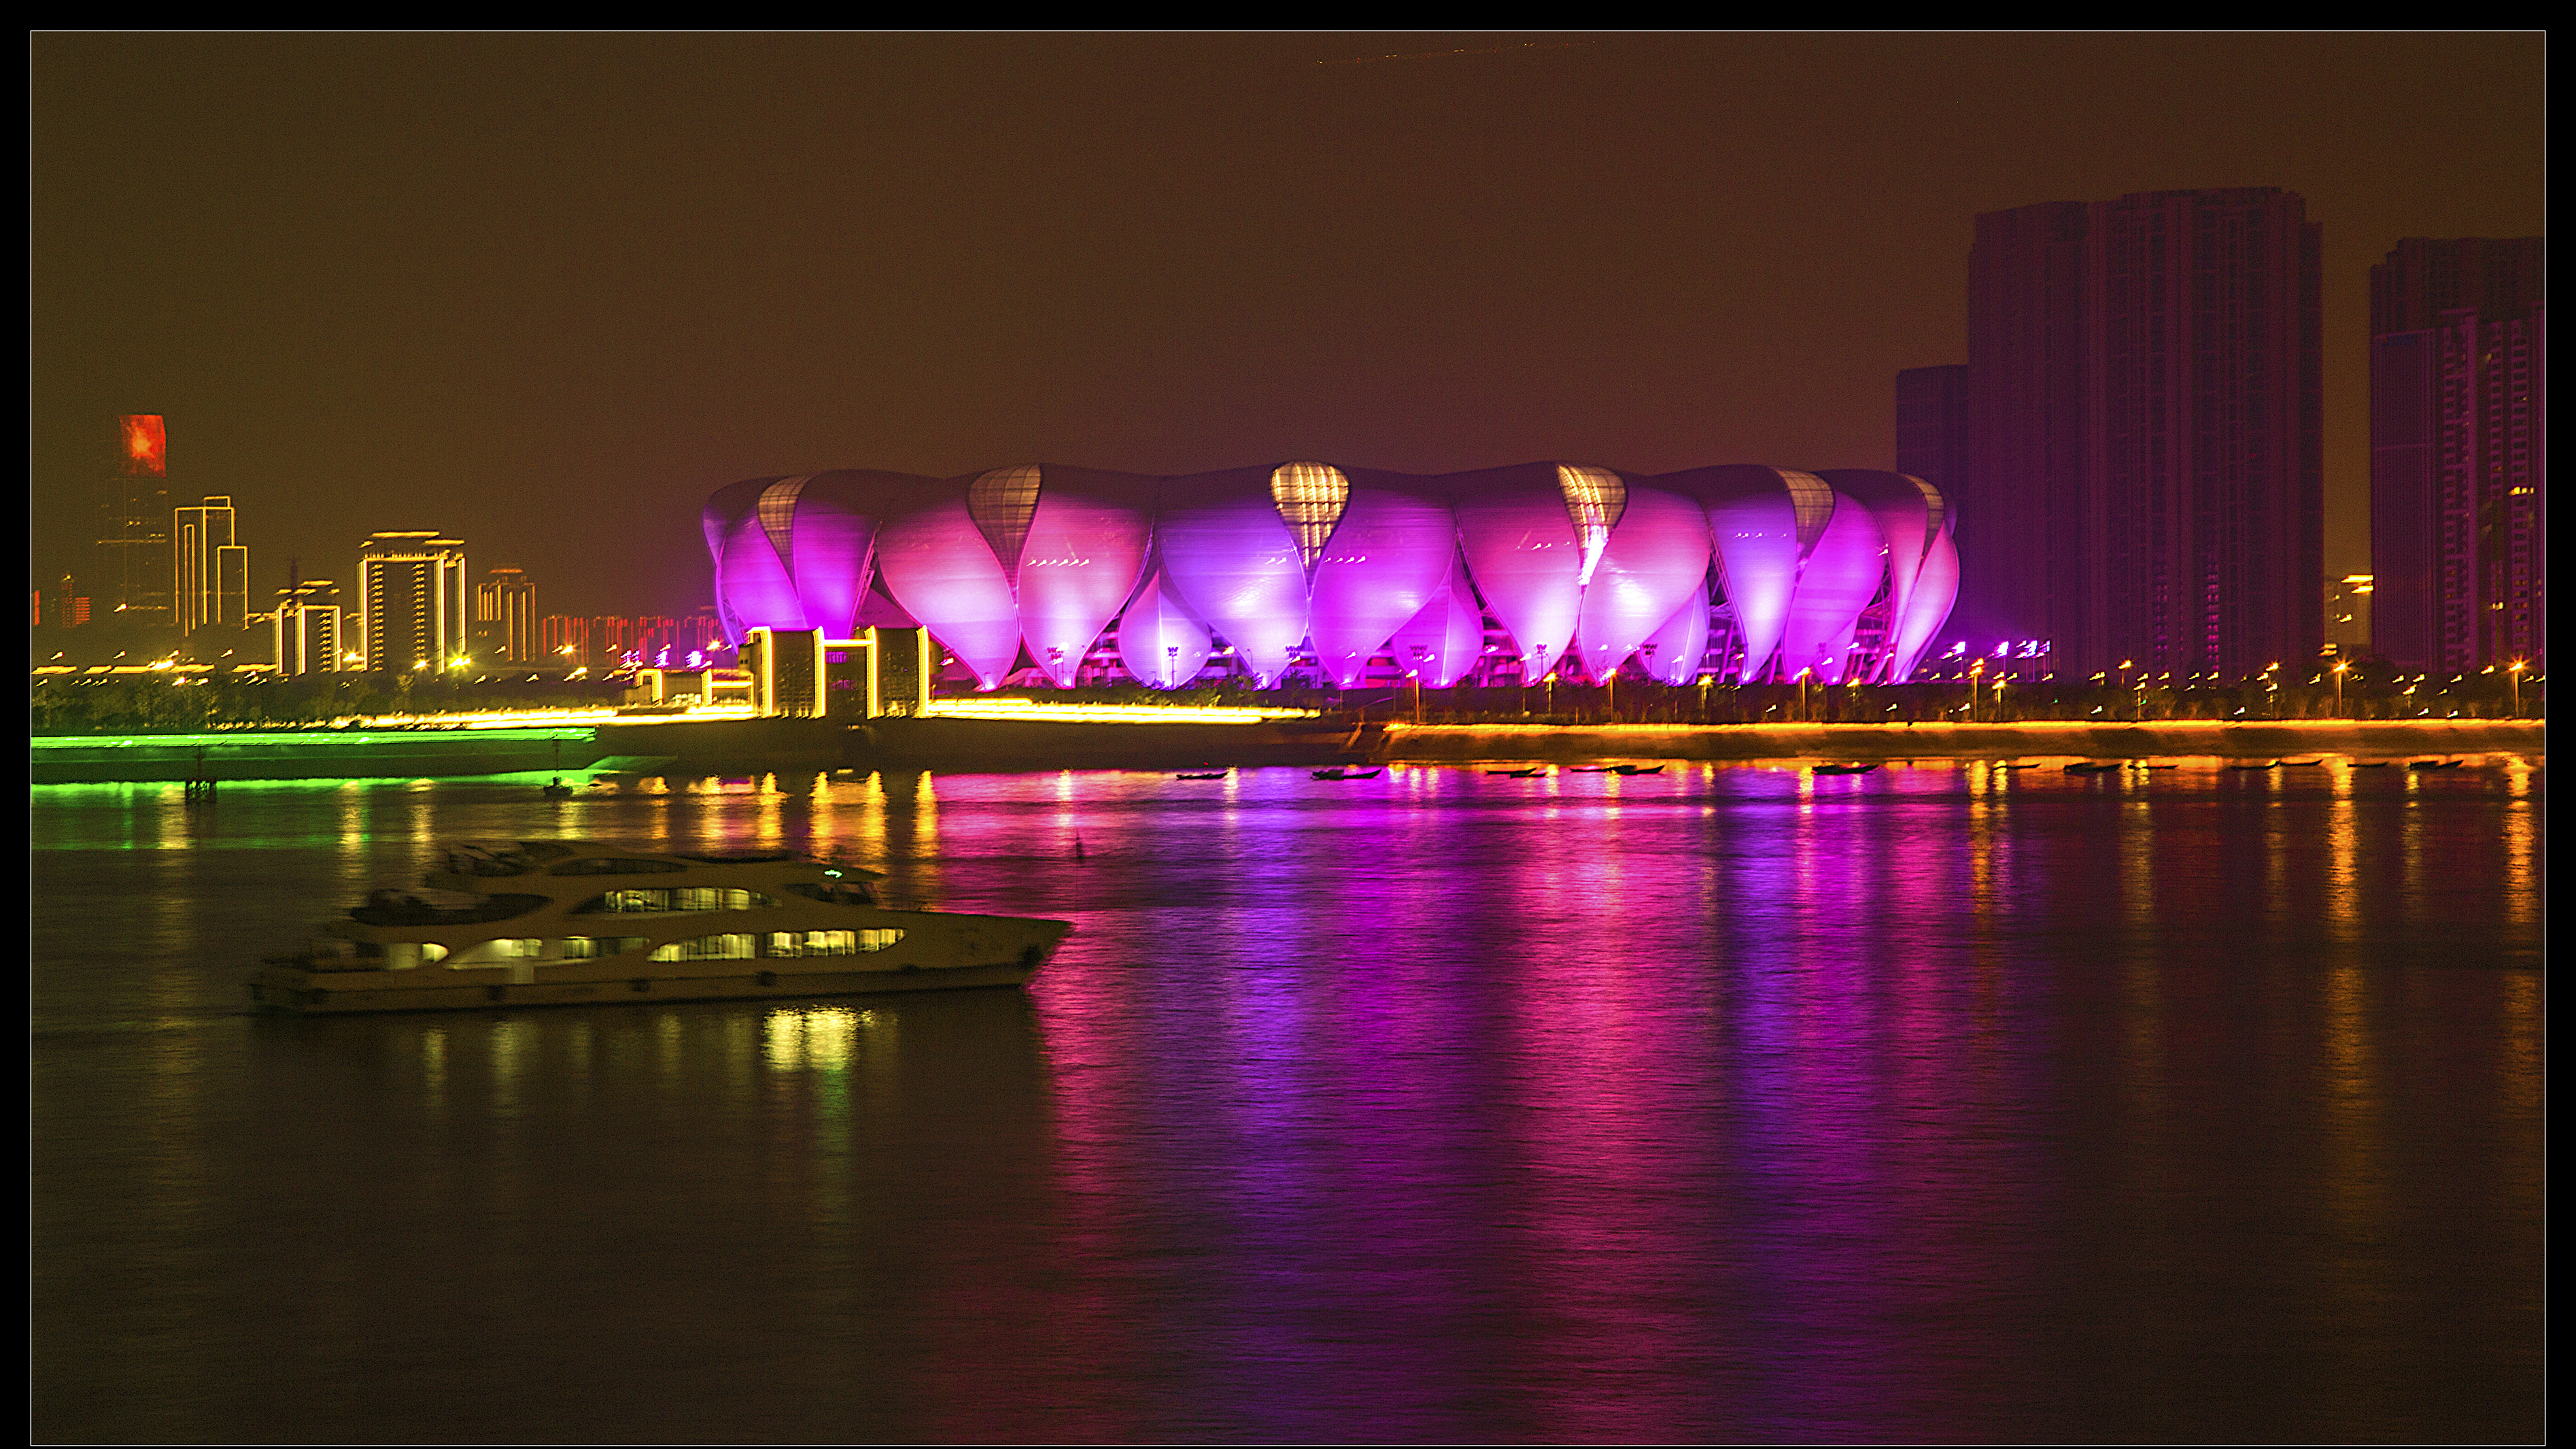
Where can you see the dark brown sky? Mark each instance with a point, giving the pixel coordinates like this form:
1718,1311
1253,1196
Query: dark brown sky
549,292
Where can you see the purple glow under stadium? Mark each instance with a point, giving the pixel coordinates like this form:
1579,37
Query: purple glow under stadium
1313,572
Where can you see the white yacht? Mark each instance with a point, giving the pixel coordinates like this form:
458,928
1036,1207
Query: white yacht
562,922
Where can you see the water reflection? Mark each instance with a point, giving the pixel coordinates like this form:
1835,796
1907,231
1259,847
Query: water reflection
1729,1103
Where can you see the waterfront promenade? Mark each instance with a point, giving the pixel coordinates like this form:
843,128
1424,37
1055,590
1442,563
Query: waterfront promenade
2034,739
743,747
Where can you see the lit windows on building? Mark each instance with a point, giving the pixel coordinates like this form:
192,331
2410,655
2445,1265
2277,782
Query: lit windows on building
2458,475
134,536
2144,477
212,583
411,601
505,617
307,629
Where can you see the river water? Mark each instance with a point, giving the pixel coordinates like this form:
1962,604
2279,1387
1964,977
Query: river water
1734,1102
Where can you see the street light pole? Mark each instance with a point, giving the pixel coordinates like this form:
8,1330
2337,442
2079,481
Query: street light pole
2513,676
2339,670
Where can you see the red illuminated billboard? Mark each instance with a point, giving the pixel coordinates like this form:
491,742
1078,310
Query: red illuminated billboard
146,446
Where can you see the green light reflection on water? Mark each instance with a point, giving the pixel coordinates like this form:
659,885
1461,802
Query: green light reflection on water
311,739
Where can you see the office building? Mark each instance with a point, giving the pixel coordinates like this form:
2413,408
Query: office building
308,629
411,601
134,536
2458,462
2144,478
212,582
565,640
505,617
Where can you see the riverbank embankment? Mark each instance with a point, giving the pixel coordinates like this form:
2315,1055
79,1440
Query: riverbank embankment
1005,746
2033,739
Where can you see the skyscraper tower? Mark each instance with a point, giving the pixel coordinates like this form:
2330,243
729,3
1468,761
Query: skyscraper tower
2144,478
213,568
2458,467
411,600
134,538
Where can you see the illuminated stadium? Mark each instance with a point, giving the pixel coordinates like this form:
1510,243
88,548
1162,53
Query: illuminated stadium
1312,573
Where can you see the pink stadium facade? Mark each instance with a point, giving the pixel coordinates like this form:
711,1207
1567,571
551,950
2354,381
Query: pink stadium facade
1353,576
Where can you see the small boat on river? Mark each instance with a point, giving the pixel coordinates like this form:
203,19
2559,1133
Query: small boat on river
1339,774
1844,769
584,922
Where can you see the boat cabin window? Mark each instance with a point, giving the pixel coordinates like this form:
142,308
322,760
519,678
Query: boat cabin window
616,865
681,898
502,948
829,943
592,948
708,948
736,945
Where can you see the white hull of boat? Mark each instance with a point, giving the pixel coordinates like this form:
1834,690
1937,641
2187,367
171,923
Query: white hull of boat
333,993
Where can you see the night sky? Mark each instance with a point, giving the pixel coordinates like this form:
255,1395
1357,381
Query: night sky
546,293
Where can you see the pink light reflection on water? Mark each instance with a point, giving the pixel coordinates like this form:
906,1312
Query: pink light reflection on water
1727,1104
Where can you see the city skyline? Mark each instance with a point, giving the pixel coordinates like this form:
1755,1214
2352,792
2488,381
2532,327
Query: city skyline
521,305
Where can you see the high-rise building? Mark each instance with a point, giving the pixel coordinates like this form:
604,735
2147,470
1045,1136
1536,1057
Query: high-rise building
411,601
1932,425
565,639
213,566
2144,474
68,606
611,637
2458,463
134,539
505,616
308,625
